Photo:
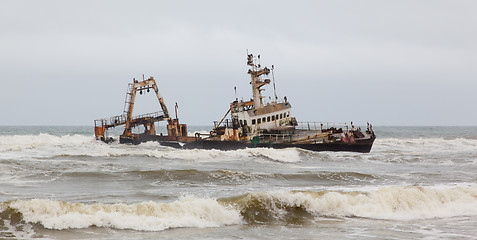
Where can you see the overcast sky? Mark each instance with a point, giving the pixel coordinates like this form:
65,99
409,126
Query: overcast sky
386,62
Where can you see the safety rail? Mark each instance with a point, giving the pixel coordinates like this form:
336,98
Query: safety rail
111,122
150,115
274,138
226,123
288,138
121,119
319,125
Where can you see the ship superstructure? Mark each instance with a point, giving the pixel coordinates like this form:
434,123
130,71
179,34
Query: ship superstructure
258,123
256,116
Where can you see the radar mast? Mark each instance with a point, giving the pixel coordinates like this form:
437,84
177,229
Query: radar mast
255,72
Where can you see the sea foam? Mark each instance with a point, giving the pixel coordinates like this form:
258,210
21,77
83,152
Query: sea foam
46,145
391,203
396,203
432,145
188,211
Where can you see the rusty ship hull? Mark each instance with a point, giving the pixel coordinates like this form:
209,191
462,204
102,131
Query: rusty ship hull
188,142
362,146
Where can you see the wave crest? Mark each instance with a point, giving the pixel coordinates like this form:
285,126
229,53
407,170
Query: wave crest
392,203
188,211
291,207
48,146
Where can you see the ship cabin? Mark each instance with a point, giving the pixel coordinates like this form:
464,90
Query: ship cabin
274,117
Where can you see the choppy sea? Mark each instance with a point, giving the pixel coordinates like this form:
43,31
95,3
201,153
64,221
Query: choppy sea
60,183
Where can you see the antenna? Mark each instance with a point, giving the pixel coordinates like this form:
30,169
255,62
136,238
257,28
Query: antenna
236,98
274,88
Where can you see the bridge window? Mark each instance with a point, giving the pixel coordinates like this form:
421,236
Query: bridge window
245,122
264,119
273,118
259,121
281,115
253,121
268,119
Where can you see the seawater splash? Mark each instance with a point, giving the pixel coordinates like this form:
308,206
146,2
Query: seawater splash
398,203
440,151
47,146
23,142
83,145
188,211
390,203
432,145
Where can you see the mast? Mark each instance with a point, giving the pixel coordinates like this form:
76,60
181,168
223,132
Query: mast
255,72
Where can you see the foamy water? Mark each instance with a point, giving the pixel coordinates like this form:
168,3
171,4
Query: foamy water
146,216
62,183
387,203
47,146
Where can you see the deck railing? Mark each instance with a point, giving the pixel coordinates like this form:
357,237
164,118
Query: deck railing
121,119
226,123
319,125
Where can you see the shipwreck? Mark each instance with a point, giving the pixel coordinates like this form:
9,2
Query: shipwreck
251,124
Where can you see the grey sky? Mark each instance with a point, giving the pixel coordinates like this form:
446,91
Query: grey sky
387,62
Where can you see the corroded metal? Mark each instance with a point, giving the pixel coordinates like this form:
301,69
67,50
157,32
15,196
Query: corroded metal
256,123
175,130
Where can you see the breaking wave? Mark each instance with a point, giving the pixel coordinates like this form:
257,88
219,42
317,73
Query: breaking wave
400,203
389,149
278,155
390,203
47,146
188,211
23,142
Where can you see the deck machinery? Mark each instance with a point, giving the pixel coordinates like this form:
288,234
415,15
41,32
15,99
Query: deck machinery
175,131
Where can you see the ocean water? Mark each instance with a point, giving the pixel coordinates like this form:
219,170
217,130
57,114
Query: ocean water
60,183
